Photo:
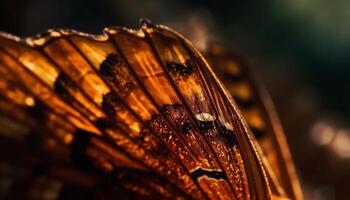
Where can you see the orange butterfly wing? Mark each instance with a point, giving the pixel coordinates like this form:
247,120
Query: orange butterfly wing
142,106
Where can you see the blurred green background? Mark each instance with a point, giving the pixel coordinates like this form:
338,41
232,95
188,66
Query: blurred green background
299,48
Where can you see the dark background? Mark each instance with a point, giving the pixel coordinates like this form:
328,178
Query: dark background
299,48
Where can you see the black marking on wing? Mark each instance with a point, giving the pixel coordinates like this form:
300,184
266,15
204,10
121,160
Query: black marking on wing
186,127
200,172
108,103
229,134
109,65
231,138
113,71
182,70
205,126
61,84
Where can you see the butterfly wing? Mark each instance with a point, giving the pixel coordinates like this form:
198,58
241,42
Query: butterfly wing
257,108
141,105
88,139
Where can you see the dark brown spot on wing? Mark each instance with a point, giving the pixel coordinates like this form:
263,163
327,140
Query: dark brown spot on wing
113,70
180,70
205,126
61,86
230,136
109,102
